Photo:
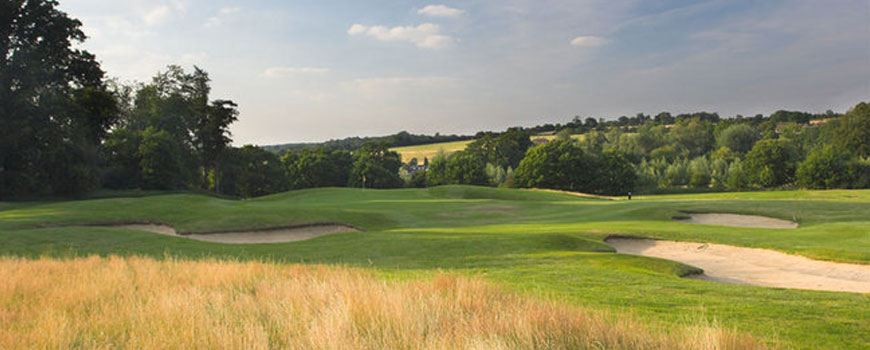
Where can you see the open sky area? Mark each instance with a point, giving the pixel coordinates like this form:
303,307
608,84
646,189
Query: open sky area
315,70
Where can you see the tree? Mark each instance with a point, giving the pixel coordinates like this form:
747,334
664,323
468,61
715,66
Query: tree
557,165
770,163
160,161
700,174
466,168
693,135
615,175
212,135
505,150
739,138
54,107
250,171
826,167
436,173
317,167
375,166
123,160
854,130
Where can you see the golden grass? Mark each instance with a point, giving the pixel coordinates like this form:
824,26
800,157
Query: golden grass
140,303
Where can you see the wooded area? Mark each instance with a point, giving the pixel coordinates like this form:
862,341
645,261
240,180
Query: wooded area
68,130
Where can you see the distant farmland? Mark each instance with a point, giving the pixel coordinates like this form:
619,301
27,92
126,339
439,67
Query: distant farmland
431,150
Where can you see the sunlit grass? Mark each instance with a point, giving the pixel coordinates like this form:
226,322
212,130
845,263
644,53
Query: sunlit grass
141,303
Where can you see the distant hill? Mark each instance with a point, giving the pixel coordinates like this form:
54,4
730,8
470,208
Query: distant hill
399,139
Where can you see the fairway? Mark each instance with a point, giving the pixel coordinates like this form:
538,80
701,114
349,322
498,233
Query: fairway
546,244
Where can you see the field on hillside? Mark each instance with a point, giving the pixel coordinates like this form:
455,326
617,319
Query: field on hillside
540,244
432,149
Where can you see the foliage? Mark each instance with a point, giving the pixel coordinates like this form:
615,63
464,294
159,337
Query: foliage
54,106
770,163
614,174
854,130
558,165
250,171
739,138
694,136
375,166
505,150
317,167
160,161
466,168
827,167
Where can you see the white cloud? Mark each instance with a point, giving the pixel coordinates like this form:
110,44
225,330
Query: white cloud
229,10
217,20
213,22
440,11
273,72
589,41
157,15
426,35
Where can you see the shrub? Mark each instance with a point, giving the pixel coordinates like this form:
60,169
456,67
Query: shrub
739,138
827,167
770,163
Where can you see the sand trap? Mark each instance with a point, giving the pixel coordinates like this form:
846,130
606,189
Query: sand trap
753,266
278,235
737,220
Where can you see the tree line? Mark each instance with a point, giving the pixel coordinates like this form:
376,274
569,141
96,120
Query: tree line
68,130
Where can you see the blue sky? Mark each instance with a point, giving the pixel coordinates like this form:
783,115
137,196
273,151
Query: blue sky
315,70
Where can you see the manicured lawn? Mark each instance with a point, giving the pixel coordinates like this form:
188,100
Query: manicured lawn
534,241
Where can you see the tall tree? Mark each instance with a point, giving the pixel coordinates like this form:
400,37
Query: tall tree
854,131
53,109
375,166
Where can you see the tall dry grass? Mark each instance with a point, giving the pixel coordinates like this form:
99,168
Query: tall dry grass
139,303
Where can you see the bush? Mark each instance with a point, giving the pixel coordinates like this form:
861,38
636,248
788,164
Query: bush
700,174
676,174
827,167
770,163
559,164
739,138
465,168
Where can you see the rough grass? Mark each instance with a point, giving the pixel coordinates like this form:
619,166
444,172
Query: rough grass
141,303
526,240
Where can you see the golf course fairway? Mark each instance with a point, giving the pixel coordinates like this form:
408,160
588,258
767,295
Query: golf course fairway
547,245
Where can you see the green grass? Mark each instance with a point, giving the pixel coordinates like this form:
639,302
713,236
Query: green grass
533,241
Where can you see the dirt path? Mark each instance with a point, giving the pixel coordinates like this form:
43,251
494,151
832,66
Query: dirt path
738,220
760,267
278,235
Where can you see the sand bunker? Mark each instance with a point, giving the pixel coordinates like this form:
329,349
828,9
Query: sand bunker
278,235
736,220
759,267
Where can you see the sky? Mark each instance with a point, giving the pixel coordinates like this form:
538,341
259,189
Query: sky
308,71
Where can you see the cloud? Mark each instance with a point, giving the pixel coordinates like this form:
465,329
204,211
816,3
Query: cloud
273,72
425,36
157,15
213,22
440,11
224,12
589,41
229,10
